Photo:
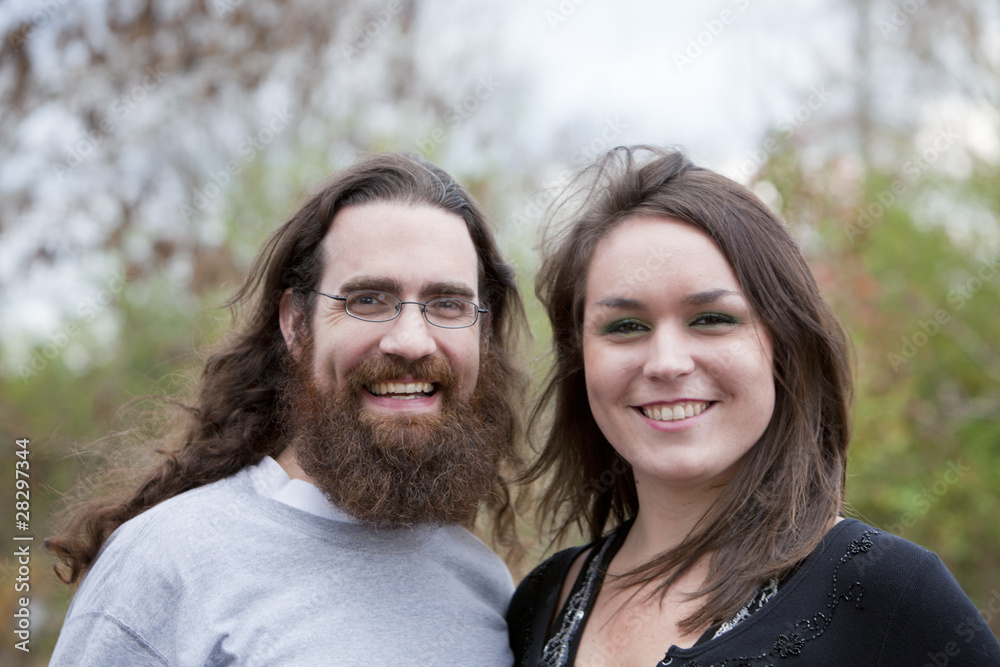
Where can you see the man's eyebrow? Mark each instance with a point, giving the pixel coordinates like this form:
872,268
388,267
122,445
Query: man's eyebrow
393,286
371,283
459,290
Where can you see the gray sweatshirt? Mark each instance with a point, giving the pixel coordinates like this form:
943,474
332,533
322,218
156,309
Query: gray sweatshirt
223,575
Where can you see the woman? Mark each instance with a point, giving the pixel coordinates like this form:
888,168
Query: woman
700,409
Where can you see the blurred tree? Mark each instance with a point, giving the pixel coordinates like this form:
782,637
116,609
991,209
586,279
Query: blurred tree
148,150
125,126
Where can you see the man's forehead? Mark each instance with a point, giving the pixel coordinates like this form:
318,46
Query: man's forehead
414,246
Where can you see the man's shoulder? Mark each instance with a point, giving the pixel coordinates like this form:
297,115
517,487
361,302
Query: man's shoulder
207,508
475,562
175,531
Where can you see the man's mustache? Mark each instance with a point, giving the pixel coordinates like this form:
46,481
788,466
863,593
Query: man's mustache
389,368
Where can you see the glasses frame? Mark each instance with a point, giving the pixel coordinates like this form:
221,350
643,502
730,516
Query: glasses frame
399,307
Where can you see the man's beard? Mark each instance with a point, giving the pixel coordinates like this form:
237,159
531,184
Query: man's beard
392,470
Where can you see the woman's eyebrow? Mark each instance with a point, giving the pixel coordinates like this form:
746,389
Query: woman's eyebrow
620,303
710,296
696,299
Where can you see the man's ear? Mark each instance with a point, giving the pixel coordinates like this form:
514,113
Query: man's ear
290,318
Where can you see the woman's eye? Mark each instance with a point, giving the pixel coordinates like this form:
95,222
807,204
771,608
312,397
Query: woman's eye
625,327
714,320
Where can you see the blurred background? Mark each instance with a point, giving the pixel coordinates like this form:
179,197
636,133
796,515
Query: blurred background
146,150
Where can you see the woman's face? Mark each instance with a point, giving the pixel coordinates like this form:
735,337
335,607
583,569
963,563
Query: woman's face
678,369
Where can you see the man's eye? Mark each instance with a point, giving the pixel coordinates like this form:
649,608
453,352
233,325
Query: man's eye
449,307
368,303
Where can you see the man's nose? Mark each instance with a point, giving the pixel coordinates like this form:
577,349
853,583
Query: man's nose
409,336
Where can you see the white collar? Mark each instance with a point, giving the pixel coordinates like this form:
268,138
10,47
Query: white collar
271,481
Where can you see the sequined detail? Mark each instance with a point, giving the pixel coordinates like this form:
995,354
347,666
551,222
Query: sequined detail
789,645
556,650
753,604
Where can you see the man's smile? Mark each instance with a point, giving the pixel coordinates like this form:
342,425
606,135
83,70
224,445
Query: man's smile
402,390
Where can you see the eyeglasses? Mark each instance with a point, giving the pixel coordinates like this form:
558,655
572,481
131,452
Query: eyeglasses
444,312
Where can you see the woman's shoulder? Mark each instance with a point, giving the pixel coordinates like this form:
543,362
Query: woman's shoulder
862,592
853,550
855,545
907,591
546,578
538,595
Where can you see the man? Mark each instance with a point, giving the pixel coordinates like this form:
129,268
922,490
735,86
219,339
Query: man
342,438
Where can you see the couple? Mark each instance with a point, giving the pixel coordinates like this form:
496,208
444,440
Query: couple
315,510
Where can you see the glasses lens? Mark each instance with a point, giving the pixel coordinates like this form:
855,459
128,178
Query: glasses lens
450,313
372,306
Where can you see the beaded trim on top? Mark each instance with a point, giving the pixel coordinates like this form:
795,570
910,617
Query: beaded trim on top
752,605
556,650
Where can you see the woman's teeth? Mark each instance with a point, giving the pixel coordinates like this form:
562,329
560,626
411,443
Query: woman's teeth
672,413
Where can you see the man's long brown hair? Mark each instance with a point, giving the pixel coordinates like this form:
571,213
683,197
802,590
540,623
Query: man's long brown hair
235,420
790,486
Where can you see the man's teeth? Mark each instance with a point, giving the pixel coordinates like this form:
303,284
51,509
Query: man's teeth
400,388
671,413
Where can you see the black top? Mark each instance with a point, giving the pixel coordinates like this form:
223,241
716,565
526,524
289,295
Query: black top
863,597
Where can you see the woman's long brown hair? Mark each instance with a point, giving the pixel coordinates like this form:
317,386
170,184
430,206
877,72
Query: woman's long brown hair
235,419
791,484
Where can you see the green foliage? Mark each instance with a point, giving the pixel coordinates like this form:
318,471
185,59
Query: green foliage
918,292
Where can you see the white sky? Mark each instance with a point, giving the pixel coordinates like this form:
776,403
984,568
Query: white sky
618,61
584,67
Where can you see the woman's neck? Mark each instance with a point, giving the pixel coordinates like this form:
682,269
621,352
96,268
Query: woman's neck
666,517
